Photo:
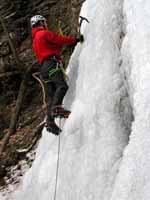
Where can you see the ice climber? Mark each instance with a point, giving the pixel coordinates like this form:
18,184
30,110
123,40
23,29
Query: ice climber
47,47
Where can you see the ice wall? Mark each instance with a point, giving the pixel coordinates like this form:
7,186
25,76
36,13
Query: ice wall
133,181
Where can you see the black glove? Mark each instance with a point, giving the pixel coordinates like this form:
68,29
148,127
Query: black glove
80,38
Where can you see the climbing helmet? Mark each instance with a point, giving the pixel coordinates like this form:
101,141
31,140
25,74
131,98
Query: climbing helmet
36,19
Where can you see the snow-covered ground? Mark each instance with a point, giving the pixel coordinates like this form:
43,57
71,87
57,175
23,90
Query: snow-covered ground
15,174
109,74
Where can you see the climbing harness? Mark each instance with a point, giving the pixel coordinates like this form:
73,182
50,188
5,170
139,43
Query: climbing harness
52,72
58,160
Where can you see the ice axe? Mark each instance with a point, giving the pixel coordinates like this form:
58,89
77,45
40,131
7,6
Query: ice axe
80,23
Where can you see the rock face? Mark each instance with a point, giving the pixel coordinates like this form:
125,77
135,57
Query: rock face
17,13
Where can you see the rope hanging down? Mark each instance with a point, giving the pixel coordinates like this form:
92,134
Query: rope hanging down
35,75
57,168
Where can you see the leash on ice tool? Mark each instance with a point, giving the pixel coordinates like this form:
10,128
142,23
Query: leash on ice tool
59,27
58,159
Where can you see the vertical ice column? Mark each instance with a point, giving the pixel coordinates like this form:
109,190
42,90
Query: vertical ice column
94,134
133,181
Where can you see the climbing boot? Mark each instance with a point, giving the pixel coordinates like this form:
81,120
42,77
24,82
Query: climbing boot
59,111
52,128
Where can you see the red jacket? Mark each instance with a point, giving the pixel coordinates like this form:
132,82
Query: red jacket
46,43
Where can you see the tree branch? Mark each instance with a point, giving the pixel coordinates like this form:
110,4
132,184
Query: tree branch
9,74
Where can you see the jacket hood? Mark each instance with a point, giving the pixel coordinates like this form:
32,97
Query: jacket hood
35,30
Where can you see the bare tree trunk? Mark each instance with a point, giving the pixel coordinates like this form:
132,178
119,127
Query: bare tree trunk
16,111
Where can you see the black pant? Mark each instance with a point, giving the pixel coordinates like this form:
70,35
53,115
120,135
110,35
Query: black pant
56,85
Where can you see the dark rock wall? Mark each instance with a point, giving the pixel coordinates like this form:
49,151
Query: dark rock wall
17,13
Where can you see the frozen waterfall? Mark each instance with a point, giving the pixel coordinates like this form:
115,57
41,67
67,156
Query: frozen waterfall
94,136
103,155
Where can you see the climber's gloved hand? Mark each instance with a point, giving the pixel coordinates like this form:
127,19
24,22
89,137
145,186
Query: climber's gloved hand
80,38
